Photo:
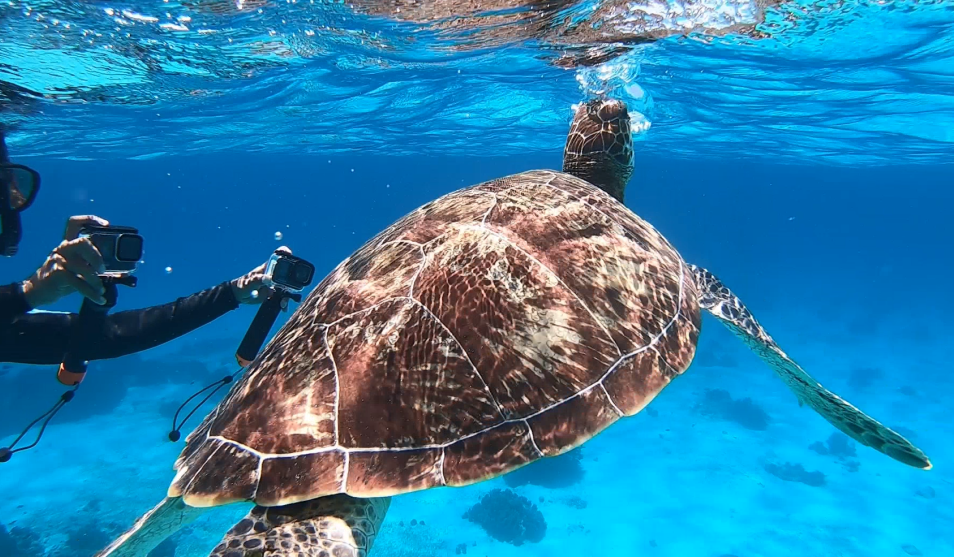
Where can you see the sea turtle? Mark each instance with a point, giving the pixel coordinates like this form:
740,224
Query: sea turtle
501,323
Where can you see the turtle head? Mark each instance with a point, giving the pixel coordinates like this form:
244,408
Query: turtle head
599,147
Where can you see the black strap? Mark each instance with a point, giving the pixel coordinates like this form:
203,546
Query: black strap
176,432
7,452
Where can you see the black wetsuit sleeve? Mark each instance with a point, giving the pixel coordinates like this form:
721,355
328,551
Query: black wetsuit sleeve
12,302
42,338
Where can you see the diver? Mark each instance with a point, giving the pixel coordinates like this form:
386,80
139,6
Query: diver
29,336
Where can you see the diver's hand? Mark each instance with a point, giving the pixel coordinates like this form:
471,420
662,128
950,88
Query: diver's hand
250,288
71,267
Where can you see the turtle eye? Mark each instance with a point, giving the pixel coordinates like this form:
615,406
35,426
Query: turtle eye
593,108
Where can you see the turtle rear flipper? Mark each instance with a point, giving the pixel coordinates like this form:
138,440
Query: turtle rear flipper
338,525
152,528
724,305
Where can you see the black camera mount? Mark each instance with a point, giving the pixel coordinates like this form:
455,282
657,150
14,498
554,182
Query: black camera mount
263,322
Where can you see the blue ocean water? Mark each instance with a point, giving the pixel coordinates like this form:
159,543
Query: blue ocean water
808,165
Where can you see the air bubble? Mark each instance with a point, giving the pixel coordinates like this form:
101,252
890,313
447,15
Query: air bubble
278,235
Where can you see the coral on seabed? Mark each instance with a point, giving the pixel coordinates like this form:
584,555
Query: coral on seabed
508,517
18,541
745,412
838,445
796,473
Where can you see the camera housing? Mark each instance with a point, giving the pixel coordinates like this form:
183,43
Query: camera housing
288,272
120,246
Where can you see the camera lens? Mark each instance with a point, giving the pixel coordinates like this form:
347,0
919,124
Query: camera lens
129,247
303,274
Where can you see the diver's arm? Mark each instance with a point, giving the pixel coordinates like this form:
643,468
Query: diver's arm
12,302
132,331
35,338
42,338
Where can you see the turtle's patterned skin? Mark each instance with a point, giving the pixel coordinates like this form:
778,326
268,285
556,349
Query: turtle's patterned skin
715,298
498,324
328,527
599,146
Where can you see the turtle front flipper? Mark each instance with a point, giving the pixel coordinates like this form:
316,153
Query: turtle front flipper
152,528
724,305
337,525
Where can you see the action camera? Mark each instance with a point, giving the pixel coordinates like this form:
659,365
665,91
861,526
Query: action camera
120,246
288,272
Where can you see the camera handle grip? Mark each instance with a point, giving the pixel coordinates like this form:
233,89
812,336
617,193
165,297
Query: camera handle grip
72,369
262,323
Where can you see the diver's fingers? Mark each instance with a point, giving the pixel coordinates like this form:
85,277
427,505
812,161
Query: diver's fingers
77,222
85,288
80,269
251,280
81,259
82,250
63,273
258,271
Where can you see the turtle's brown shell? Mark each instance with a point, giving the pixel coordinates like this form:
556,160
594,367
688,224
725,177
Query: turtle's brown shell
501,323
